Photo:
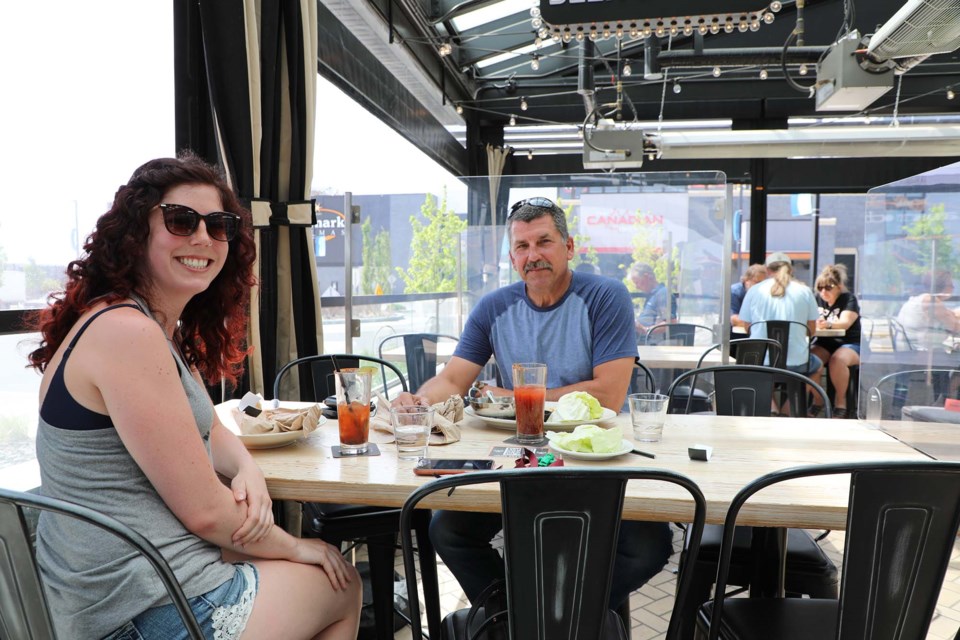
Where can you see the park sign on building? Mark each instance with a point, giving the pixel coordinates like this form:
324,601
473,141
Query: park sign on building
611,221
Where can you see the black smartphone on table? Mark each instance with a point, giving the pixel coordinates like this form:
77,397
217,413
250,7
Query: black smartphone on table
438,467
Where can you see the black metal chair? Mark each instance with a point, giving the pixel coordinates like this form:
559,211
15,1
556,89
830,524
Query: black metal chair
679,334
902,522
23,607
887,397
316,374
747,390
419,353
560,530
337,523
779,330
899,339
641,379
748,351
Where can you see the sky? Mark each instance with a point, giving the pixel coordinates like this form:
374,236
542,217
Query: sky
88,97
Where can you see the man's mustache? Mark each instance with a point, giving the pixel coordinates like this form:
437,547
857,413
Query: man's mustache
539,264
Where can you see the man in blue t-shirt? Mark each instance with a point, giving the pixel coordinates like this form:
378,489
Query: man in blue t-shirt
581,326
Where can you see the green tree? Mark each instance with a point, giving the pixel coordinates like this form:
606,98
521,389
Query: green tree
580,241
934,245
376,260
434,248
648,250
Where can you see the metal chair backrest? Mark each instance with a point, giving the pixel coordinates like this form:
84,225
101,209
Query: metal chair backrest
419,353
316,374
641,379
899,340
780,331
678,333
747,390
902,522
23,607
748,350
888,395
560,531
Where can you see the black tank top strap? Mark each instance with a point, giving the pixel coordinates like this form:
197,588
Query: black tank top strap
86,324
59,408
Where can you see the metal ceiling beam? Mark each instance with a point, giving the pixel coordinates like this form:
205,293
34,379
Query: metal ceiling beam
348,64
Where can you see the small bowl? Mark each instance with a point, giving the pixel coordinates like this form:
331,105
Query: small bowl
500,407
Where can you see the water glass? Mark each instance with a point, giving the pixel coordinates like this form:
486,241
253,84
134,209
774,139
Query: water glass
529,394
353,409
411,429
647,413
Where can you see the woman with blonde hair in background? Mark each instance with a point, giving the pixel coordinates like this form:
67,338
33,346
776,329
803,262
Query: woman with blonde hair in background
839,309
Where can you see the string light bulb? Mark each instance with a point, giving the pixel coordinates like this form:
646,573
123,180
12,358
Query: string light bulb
459,109
775,6
513,120
716,72
530,154
763,74
803,70
523,104
627,70
768,18
445,49
950,94
535,63
676,86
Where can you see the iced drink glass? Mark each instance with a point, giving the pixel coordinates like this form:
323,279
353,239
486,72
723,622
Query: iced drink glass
353,409
529,395
411,429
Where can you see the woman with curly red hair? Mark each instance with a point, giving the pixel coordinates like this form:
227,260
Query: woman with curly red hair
156,305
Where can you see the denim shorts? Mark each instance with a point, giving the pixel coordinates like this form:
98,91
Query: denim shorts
813,365
222,612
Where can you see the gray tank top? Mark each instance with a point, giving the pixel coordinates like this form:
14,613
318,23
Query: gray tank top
94,582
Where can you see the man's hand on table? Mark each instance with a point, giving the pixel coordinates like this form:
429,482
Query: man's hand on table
407,399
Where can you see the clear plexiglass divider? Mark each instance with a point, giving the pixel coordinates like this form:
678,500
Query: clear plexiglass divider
910,313
420,262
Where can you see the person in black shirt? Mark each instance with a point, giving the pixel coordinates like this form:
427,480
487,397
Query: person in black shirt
839,309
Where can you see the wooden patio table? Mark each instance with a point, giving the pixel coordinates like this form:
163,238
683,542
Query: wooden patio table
743,449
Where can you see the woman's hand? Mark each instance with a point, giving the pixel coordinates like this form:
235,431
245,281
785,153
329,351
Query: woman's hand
325,556
249,486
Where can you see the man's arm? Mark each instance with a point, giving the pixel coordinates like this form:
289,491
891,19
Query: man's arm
454,379
609,384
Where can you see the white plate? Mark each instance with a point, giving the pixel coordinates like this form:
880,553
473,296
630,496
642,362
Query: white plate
626,447
262,440
569,425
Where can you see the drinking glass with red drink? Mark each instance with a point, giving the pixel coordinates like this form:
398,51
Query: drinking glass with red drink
353,409
529,395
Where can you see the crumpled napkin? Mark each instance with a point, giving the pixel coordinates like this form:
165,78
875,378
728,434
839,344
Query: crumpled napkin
446,415
279,420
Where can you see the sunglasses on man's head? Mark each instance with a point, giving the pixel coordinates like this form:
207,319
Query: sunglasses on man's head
181,220
543,203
